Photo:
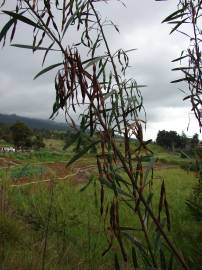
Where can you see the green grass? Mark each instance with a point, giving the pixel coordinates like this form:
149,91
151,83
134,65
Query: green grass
75,237
170,158
54,145
186,231
43,155
71,219
27,170
4,143
75,233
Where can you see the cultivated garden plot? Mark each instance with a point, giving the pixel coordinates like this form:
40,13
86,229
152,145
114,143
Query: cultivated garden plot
21,172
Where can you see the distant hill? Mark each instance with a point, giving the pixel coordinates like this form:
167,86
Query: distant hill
32,122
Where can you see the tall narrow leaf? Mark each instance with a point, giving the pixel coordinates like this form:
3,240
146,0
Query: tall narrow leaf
23,19
5,29
47,69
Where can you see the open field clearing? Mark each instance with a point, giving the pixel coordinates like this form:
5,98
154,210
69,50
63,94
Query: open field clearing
50,219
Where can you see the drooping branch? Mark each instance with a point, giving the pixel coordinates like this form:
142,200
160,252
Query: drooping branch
187,22
110,105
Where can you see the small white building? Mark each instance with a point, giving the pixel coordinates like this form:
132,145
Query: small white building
7,149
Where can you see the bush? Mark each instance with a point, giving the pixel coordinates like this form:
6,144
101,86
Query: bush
9,230
27,171
195,201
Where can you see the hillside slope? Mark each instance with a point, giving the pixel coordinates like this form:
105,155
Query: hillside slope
32,122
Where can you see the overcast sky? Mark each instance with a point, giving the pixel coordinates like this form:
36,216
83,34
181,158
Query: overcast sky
140,27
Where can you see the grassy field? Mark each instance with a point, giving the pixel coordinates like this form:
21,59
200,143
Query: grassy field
54,225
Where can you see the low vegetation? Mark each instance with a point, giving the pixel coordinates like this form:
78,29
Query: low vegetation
56,224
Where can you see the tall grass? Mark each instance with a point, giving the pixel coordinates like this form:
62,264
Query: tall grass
56,226
61,227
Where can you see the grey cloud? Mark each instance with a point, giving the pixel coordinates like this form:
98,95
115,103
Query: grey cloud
141,28
24,99
136,13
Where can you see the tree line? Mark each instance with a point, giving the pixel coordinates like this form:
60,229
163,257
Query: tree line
21,136
171,140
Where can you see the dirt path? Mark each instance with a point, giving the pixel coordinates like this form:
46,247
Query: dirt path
6,162
57,171
163,166
80,172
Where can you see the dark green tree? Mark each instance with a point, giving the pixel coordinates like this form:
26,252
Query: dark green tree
5,133
195,140
37,142
21,135
169,139
183,140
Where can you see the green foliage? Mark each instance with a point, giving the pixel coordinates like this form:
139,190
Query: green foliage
37,142
195,140
76,231
195,201
171,140
5,133
72,216
21,135
27,171
186,20
47,69
42,155
10,231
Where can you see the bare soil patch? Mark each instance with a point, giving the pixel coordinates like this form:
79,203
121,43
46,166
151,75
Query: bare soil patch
8,162
161,166
77,173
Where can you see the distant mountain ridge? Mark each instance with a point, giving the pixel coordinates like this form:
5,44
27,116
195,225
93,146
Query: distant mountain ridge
33,123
